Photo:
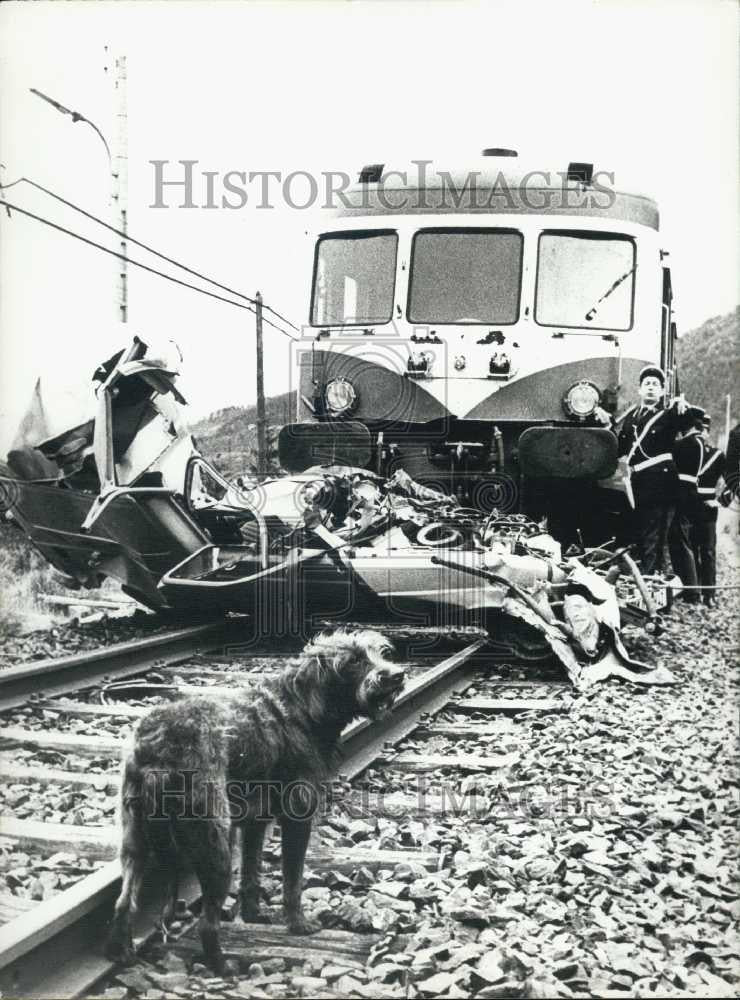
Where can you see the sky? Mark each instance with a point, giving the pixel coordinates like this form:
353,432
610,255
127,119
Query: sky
645,89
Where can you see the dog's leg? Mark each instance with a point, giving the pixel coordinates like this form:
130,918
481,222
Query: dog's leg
295,835
161,837
253,837
209,848
120,945
169,909
203,835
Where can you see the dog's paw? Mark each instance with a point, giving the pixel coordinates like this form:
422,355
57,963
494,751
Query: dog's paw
218,964
303,925
252,914
231,968
213,959
120,952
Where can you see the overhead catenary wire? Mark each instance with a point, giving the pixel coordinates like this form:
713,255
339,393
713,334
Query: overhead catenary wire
280,316
145,246
145,267
18,180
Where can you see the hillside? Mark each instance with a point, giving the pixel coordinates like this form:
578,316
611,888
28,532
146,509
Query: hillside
708,358
228,437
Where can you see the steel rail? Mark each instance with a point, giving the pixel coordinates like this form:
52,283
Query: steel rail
56,949
71,673
363,741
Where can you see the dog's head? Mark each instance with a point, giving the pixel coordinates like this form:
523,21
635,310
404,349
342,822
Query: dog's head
356,665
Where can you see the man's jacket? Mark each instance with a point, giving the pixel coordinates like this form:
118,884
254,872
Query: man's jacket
688,455
712,468
647,436
732,465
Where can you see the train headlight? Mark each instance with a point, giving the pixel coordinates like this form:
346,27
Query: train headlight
340,396
581,400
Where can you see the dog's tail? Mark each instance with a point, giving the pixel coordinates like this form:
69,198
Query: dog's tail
133,857
162,802
146,815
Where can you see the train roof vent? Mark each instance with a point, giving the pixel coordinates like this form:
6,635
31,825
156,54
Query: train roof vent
372,173
582,172
499,151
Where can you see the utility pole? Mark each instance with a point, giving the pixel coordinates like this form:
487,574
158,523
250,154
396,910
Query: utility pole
728,411
261,418
117,166
119,178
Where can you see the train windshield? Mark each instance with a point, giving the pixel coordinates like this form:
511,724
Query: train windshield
354,279
465,276
585,280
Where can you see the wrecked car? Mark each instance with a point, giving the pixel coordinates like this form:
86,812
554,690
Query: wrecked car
126,494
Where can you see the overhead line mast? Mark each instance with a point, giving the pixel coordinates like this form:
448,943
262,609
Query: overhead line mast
119,177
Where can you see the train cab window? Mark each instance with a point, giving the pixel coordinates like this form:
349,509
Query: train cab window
354,279
585,280
465,276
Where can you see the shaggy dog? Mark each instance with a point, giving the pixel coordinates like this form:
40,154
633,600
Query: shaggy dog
197,766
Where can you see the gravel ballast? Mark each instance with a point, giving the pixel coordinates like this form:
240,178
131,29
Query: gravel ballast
602,865
613,876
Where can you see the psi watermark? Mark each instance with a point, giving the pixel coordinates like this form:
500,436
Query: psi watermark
9,494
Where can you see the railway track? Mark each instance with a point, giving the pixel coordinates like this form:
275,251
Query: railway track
63,726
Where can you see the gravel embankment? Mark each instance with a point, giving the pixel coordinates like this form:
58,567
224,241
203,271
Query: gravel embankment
603,865
72,637
30,876
613,873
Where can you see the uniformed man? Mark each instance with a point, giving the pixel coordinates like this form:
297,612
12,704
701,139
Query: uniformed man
688,454
704,523
646,437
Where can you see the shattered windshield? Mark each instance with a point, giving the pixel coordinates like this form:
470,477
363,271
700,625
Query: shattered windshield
465,276
585,280
354,279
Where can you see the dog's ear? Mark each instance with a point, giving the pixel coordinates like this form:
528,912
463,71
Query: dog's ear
352,662
313,670
310,683
323,665
343,653
375,643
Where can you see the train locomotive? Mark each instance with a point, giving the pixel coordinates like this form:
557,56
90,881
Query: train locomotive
469,347
469,327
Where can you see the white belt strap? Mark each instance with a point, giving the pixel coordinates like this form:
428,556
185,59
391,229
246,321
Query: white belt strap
701,456
707,491
686,478
639,438
665,457
712,458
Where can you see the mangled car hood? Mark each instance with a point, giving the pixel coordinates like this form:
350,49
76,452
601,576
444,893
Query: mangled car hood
127,494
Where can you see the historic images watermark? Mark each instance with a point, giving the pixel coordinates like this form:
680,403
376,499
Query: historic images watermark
183,796
186,184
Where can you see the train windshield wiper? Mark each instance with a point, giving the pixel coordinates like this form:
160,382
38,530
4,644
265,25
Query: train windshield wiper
594,308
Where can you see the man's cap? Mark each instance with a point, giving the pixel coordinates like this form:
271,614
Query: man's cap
697,416
654,371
